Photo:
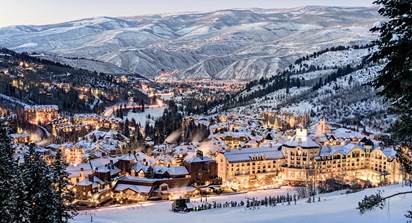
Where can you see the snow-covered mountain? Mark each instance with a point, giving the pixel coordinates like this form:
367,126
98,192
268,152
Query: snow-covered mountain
332,84
226,44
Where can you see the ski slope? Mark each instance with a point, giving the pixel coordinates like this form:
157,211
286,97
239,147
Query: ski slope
334,207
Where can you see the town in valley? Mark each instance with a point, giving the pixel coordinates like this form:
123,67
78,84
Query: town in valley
231,114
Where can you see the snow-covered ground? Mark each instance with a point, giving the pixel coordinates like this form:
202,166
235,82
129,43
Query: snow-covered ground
335,207
141,117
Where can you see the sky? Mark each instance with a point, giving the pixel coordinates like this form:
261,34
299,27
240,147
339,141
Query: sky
39,12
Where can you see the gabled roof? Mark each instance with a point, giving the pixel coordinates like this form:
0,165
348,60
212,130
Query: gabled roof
173,171
178,170
87,182
136,188
199,160
269,137
106,169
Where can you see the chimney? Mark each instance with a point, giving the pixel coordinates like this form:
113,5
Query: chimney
199,154
81,172
111,164
91,178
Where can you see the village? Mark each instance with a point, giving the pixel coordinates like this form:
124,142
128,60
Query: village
234,153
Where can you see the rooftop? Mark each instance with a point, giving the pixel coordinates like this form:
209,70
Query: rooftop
244,155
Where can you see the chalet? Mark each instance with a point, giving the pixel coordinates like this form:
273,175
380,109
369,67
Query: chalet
202,169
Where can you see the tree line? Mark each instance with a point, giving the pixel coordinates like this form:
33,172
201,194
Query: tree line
32,191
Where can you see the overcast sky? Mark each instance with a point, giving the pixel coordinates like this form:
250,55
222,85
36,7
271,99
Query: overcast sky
38,12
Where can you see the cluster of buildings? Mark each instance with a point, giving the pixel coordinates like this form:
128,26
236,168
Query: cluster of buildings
40,114
81,124
266,158
236,152
339,154
134,177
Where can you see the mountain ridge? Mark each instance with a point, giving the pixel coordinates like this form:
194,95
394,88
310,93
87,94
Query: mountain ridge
258,42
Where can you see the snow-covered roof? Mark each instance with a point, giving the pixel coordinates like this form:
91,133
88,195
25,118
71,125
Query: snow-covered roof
231,134
178,170
101,162
86,115
346,134
389,152
136,188
141,157
85,144
109,135
244,155
138,179
127,157
108,169
41,107
199,159
74,171
343,149
304,142
87,182
173,171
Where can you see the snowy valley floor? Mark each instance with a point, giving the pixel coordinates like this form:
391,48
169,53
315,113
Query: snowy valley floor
334,207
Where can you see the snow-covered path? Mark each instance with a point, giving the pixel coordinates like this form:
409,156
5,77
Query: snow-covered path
334,207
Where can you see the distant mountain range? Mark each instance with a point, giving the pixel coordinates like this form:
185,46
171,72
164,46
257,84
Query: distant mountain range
227,44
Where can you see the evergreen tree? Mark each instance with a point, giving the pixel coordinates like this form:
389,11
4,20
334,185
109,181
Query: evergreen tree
395,81
12,210
142,104
126,128
395,48
38,185
63,199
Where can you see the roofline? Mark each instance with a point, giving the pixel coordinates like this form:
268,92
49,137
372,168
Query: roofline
305,147
242,161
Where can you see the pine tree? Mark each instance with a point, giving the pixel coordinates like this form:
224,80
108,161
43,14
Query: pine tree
142,104
37,178
63,199
126,130
395,49
12,210
394,81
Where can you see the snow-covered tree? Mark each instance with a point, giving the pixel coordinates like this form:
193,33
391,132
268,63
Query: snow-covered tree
12,208
395,81
63,200
7,177
395,50
37,178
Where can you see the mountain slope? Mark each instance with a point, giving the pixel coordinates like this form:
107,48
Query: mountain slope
227,44
332,84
